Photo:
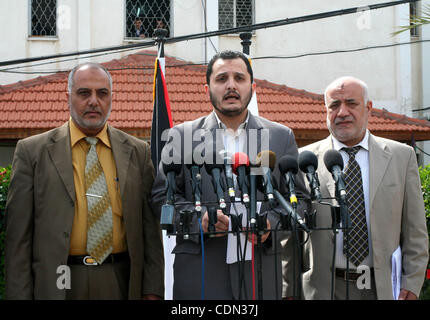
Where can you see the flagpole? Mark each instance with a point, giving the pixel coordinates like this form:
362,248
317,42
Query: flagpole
246,43
169,242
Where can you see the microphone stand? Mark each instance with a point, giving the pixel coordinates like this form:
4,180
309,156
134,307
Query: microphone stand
335,218
346,223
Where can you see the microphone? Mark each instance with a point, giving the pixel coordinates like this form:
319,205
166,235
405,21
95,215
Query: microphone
289,167
215,170
266,161
308,163
196,183
171,170
241,169
334,163
228,173
290,210
168,209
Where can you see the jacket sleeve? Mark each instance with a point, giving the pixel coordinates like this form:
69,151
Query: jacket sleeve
414,237
19,227
153,268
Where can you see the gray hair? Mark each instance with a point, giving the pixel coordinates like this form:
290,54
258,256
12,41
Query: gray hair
91,65
361,83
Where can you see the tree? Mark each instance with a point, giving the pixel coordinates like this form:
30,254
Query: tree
417,20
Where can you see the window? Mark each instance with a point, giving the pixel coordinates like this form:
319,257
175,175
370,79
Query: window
144,16
235,13
412,15
43,18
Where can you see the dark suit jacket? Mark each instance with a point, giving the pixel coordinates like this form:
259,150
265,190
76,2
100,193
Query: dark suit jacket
397,217
40,211
221,279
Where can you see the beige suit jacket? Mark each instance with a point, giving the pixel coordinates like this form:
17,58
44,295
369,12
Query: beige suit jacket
397,217
40,211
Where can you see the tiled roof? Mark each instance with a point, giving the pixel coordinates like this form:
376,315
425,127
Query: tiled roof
32,106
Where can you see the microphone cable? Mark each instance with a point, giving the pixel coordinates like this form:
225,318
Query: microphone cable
203,260
253,266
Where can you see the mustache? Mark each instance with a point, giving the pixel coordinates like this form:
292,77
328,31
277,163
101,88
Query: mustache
338,119
231,93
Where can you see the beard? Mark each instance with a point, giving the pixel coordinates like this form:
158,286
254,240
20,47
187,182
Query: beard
226,112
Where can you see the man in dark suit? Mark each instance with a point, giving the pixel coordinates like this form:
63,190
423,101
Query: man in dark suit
81,227
392,209
230,127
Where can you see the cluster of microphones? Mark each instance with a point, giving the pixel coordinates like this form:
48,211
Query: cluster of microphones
224,167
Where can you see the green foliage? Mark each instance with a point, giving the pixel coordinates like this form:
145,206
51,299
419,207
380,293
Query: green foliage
4,186
416,21
425,183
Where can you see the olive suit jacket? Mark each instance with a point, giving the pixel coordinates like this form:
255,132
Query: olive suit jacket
397,218
41,206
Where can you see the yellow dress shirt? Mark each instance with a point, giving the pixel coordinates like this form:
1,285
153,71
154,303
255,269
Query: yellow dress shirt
80,147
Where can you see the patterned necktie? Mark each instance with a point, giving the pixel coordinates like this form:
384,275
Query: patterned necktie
358,241
99,219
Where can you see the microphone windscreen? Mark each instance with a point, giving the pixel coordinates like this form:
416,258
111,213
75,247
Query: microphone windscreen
288,163
239,159
333,158
306,159
175,167
214,160
266,158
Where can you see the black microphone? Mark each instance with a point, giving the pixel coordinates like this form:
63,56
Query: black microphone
290,210
215,168
168,209
308,163
334,163
266,161
196,182
228,170
289,167
241,169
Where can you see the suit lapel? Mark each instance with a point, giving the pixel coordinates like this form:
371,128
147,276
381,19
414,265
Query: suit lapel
325,177
379,157
122,153
60,152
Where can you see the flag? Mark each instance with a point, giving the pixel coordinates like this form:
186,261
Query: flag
253,106
161,114
162,120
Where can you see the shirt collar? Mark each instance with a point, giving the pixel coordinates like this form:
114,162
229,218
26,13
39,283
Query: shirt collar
221,125
76,134
337,145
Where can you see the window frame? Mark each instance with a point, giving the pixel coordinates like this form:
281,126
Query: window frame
30,26
133,39
235,15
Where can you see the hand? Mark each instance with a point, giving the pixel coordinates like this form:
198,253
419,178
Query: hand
407,295
220,226
151,297
263,237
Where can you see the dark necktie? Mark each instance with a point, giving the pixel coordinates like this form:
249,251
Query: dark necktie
358,237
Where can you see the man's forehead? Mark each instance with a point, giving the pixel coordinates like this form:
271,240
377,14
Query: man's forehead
90,74
345,89
229,65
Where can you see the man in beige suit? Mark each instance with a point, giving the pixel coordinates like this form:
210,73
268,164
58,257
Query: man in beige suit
393,209
48,221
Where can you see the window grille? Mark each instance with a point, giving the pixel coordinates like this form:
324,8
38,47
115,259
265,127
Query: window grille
144,16
43,18
235,13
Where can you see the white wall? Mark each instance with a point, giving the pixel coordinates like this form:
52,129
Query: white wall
388,72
